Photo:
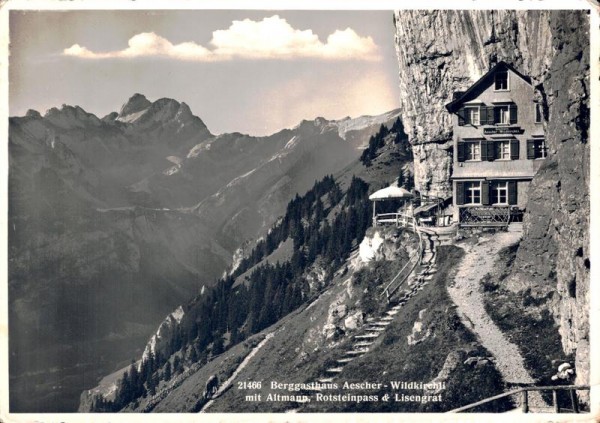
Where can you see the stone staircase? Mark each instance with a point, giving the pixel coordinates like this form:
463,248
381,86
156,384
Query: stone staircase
376,327
439,235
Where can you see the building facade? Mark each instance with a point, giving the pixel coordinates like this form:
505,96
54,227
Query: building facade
498,147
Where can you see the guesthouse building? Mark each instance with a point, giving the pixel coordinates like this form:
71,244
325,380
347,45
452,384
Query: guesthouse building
498,147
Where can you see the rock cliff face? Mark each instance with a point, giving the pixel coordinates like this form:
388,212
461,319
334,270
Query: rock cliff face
442,52
554,257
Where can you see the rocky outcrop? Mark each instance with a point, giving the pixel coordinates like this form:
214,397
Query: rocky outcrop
158,343
440,52
384,243
419,332
136,104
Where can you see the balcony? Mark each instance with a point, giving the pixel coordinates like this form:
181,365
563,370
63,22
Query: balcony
497,169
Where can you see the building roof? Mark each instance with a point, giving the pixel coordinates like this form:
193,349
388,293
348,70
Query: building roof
459,97
393,191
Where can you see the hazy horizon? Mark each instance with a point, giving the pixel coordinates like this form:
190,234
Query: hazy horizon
254,71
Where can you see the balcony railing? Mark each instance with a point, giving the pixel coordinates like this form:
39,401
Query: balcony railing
484,216
399,219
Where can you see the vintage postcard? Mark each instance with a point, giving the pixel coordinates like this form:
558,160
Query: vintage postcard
289,212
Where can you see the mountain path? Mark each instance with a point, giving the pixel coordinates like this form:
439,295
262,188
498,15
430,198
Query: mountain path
478,261
241,367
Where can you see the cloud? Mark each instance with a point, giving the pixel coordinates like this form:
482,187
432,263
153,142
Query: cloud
271,38
146,44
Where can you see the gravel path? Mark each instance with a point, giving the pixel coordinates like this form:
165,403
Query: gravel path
478,261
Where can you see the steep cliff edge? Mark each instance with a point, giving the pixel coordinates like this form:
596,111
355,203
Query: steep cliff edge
554,258
443,52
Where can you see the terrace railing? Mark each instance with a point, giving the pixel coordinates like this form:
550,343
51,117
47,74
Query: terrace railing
398,219
524,392
484,216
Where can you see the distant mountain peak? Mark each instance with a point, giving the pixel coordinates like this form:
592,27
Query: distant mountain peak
71,117
137,103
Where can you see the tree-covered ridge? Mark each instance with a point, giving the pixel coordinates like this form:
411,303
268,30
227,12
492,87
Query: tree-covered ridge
377,141
324,225
310,206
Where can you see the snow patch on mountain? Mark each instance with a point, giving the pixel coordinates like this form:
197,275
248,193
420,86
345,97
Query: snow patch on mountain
238,179
197,149
132,117
356,124
291,143
173,169
174,159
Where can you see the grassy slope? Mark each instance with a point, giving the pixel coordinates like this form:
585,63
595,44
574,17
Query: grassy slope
299,353
394,359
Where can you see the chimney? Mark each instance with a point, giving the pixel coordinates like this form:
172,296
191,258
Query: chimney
493,60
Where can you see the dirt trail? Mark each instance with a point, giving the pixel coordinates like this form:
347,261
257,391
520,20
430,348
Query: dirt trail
478,261
243,364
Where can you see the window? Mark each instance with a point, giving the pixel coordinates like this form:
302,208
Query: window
501,80
501,115
538,113
472,193
472,115
472,151
502,150
536,149
499,192
485,193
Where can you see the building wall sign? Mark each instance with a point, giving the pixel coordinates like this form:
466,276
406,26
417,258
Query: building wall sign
510,130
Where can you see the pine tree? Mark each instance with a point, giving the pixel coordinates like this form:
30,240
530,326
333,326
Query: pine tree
167,371
193,354
218,345
401,178
152,384
177,365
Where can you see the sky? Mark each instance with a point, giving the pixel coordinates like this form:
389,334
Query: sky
243,71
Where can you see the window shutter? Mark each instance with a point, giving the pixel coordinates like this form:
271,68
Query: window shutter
497,115
482,115
485,193
460,193
460,152
484,150
514,149
512,109
490,151
530,149
461,116
490,115
512,193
